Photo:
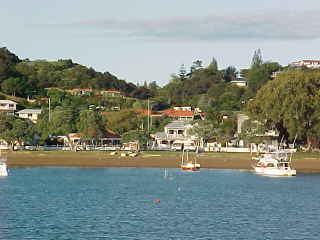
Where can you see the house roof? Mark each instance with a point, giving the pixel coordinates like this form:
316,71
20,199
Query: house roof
160,135
108,134
74,135
177,124
111,134
178,113
37,111
7,102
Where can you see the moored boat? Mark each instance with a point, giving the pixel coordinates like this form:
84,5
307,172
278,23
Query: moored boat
274,164
3,166
3,170
189,165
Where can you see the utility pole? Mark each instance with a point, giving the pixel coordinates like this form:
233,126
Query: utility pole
148,122
148,115
49,110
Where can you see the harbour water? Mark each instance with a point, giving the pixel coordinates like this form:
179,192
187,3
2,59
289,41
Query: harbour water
137,203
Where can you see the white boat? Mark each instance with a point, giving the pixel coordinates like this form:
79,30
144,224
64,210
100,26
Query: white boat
3,166
189,165
274,164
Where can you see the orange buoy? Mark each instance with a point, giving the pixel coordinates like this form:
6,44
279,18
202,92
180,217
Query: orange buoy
157,201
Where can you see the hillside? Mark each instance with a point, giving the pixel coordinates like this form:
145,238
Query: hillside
25,78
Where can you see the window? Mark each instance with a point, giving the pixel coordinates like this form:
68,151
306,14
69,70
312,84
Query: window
180,132
171,131
11,105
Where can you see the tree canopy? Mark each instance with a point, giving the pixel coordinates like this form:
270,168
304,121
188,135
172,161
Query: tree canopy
290,102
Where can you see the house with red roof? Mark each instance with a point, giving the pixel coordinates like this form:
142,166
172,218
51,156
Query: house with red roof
184,113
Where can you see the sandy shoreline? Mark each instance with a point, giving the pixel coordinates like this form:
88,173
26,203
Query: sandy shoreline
307,163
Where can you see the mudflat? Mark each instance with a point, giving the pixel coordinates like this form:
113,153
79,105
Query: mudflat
302,162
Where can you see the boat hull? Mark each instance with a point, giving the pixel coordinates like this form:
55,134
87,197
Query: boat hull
275,171
3,170
190,168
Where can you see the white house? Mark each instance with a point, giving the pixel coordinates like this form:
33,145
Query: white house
306,63
239,82
176,131
8,106
32,114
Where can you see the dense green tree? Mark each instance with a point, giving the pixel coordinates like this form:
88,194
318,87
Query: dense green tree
260,74
203,102
213,65
136,135
15,130
256,59
215,128
230,74
141,93
138,105
290,102
60,122
154,88
15,86
124,121
91,124
205,130
182,73
196,65
174,91
8,61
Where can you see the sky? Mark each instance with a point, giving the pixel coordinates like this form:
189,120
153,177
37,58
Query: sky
149,40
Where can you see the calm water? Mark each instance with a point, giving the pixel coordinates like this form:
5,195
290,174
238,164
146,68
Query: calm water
120,203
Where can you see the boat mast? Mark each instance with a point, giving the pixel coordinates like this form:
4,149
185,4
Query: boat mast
294,141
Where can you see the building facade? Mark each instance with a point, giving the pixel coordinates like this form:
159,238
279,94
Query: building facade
8,106
32,114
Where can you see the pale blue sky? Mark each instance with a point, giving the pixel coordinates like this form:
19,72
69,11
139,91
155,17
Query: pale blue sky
145,40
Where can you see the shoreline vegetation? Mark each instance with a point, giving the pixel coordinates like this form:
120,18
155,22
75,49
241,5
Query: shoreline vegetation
302,162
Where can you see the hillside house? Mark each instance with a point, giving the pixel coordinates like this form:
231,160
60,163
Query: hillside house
111,93
81,91
184,113
32,114
110,138
306,63
8,106
239,82
173,132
